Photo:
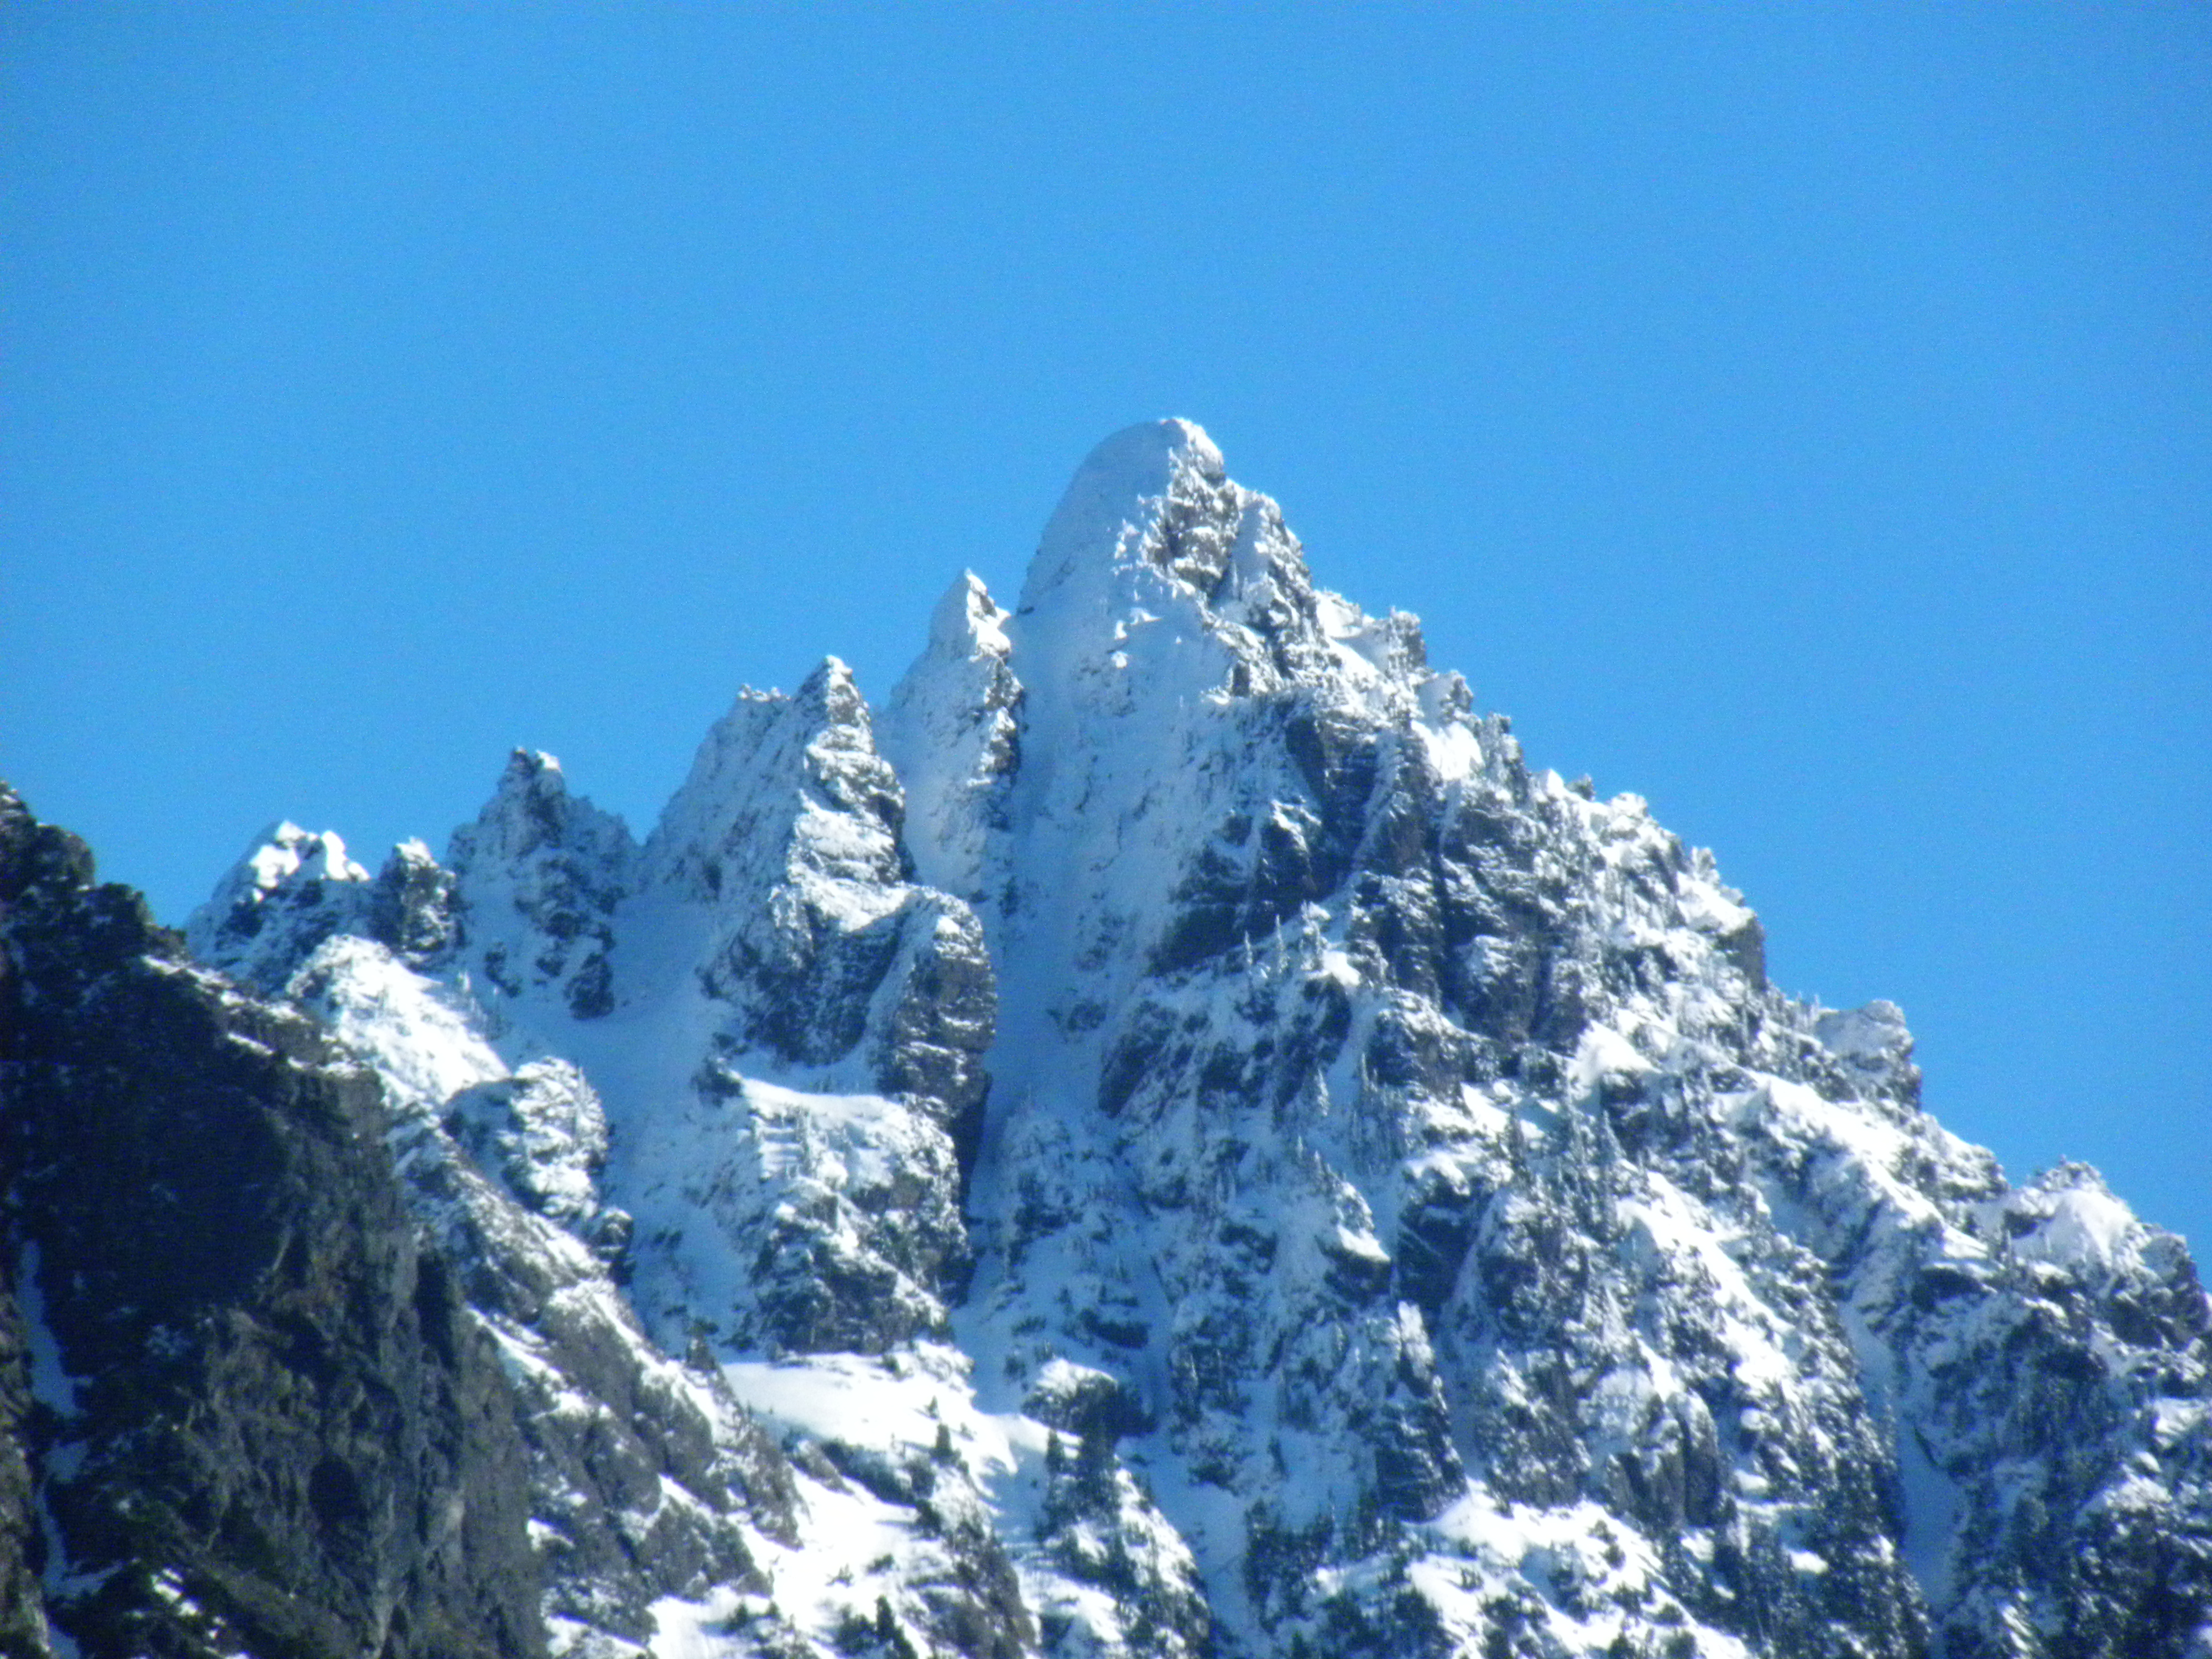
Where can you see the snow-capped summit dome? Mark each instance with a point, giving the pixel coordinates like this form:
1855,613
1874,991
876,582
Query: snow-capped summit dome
1135,465
1119,511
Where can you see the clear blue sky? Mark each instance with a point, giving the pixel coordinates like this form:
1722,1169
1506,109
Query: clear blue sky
1801,416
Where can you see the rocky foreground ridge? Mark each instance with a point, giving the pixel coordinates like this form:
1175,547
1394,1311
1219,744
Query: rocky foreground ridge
1166,1138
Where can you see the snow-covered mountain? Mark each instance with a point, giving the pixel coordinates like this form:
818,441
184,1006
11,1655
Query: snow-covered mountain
1165,1139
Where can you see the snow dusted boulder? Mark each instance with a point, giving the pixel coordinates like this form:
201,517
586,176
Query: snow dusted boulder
542,1132
1874,1049
411,908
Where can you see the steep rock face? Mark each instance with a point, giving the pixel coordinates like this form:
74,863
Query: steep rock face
2044,1353
535,881
1431,1165
954,736
1308,1155
788,831
647,1481
801,1187
259,1418
22,1614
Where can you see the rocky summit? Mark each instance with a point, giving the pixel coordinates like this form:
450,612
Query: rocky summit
1163,1137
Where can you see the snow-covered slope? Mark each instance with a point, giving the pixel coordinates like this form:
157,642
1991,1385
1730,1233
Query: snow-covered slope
1174,1140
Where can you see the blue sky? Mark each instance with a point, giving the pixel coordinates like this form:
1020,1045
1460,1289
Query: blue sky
1799,416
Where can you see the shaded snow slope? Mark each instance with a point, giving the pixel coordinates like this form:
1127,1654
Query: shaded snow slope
1174,1140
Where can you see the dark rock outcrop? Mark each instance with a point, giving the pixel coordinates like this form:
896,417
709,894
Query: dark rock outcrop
259,1417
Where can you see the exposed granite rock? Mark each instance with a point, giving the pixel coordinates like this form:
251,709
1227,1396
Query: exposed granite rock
829,1129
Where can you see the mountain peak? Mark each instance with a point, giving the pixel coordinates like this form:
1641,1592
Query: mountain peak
525,765
1150,449
968,621
284,850
1188,1145
531,807
291,887
1121,509
829,700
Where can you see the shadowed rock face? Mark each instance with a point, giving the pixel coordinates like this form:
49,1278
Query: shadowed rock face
22,1624
257,1416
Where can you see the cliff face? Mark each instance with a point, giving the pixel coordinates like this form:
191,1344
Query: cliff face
257,1417
1168,1139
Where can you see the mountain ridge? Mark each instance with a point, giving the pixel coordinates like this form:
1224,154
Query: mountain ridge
1173,1133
